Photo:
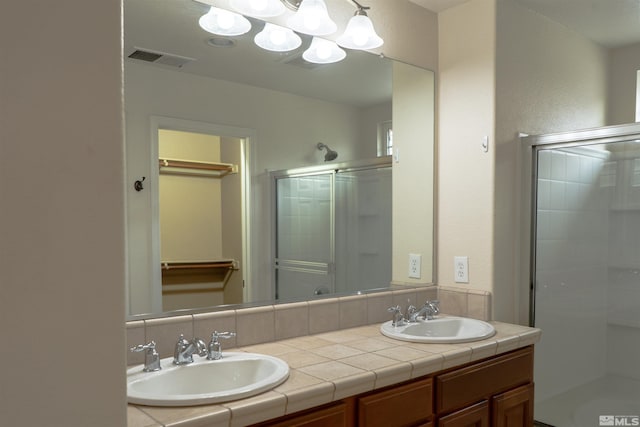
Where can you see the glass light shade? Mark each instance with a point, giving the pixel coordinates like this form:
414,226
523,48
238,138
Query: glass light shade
259,8
277,39
323,51
312,18
224,23
360,34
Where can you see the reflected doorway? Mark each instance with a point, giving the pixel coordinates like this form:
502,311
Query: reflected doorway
200,204
200,214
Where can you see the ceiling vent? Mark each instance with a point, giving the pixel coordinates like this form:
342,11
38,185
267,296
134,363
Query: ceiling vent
162,58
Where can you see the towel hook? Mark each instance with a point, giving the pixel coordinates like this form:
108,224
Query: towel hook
138,184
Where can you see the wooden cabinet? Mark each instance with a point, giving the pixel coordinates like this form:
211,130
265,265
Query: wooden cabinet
495,392
405,405
513,408
337,415
474,416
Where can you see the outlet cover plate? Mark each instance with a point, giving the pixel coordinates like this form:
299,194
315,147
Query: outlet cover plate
461,269
415,261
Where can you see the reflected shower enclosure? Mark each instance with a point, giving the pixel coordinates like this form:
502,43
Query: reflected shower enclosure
333,231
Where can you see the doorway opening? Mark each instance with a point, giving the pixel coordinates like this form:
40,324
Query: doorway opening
201,214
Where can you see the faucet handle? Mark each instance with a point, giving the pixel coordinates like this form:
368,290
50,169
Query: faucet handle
394,310
411,309
151,357
398,318
226,335
214,349
151,345
433,308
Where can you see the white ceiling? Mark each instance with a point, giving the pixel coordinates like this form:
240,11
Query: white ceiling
170,26
610,23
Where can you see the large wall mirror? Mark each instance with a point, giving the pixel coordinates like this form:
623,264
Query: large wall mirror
246,124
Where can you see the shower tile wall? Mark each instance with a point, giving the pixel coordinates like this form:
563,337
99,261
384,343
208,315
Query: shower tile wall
305,218
623,344
571,268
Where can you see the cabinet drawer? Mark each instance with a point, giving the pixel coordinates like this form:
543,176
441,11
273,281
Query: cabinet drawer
333,416
406,405
466,386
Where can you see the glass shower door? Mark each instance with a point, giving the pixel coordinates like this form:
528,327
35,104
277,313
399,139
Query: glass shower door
587,282
363,229
304,260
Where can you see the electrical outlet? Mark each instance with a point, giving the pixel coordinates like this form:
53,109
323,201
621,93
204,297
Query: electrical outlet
461,269
414,265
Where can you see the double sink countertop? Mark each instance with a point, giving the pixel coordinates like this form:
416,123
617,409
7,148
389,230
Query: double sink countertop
331,366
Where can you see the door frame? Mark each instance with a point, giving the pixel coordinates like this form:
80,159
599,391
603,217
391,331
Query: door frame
248,139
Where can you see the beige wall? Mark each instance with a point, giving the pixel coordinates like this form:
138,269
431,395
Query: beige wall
466,108
413,172
190,206
62,257
549,79
624,63
503,70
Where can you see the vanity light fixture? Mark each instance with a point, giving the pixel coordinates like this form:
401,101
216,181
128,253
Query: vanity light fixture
323,51
259,8
360,33
312,18
277,39
224,23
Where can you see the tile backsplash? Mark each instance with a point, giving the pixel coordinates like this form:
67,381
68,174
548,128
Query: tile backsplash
256,325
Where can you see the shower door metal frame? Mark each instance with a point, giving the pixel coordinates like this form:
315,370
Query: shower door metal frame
535,143
329,168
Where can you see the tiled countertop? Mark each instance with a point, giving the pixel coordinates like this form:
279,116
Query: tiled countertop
331,366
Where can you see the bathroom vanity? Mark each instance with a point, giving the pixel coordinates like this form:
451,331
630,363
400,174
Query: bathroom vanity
497,391
358,377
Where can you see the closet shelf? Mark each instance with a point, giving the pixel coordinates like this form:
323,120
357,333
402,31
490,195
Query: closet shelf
186,269
188,167
225,263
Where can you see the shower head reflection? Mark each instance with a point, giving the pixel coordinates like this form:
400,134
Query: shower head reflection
330,154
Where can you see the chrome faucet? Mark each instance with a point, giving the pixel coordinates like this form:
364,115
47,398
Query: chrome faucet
398,318
184,350
411,309
151,356
428,310
214,351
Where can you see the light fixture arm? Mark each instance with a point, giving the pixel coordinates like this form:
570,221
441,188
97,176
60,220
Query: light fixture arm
295,4
292,4
361,9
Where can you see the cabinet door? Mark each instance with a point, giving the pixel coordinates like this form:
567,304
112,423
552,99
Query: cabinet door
406,405
473,416
463,387
514,408
334,416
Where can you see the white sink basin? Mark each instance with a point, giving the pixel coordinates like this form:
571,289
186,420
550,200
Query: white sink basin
444,330
235,376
